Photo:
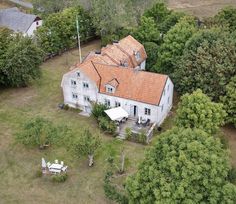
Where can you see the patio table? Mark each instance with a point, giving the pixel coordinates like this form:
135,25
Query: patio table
55,168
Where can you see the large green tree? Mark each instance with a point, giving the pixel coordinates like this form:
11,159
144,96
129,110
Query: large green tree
184,166
208,63
152,53
19,61
174,43
229,101
196,110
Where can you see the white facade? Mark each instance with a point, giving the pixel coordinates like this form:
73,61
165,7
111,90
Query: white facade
79,90
33,27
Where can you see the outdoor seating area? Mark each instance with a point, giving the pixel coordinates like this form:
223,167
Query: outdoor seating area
53,168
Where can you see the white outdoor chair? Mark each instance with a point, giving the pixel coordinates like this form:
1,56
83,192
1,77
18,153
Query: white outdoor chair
48,164
64,168
62,163
56,161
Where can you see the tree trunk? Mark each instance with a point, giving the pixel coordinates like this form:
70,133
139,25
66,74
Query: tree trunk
90,156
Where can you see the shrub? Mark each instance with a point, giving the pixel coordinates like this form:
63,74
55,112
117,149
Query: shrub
107,125
128,133
66,107
38,173
142,138
98,110
232,175
59,178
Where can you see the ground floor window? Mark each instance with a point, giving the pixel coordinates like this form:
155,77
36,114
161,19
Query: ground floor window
117,104
86,98
107,102
147,111
74,95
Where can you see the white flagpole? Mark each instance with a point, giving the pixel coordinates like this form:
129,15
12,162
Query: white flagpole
78,36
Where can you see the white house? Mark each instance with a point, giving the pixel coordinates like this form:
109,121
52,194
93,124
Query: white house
18,21
140,93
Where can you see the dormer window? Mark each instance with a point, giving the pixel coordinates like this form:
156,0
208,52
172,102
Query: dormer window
124,64
137,56
109,90
73,82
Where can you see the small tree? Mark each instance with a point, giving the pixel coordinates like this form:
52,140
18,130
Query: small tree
184,166
196,110
98,110
38,132
229,101
86,144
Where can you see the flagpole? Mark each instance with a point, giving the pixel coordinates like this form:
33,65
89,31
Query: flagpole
78,38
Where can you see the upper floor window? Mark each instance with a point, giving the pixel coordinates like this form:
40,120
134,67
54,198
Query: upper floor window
168,87
147,111
86,98
109,90
37,23
107,102
85,85
117,104
74,95
78,74
137,55
73,82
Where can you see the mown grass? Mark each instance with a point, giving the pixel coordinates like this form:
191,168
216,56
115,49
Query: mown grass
18,182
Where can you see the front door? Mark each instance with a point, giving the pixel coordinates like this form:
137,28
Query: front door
134,111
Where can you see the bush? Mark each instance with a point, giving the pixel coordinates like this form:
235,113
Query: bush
232,175
107,125
128,133
98,110
142,138
59,178
66,107
38,173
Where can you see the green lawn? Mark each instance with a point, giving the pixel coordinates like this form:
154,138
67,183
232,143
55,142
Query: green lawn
18,183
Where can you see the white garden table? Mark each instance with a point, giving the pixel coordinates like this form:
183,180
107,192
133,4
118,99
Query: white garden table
55,168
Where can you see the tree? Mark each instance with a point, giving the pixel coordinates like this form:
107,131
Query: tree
19,64
184,166
208,62
147,31
86,144
227,16
152,53
38,132
174,43
196,110
229,101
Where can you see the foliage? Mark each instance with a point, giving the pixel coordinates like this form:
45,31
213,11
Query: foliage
142,138
227,16
147,31
152,53
107,125
208,63
229,101
98,110
174,43
128,133
111,192
19,60
232,175
59,178
38,173
179,159
38,132
86,143
196,110
58,31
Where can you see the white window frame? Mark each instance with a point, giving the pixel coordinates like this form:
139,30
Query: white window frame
85,85
109,90
74,95
147,111
138,56
117,104
73,82
107,102
86,98
78,74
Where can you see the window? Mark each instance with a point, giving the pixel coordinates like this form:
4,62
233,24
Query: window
74,95
73,83
147,111
107,102
137,56
37,23
117,104
168,87
109,90
162,107
78,74
168,100
85,85
86,98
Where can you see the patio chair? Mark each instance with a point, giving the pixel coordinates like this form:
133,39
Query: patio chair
62,163
64,168
48,164
56,161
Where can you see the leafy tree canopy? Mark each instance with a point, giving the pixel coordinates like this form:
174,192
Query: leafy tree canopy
229,101
174,43
208,63
196,110
152,53
184,166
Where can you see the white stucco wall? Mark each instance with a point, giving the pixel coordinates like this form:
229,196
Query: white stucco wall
33,27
